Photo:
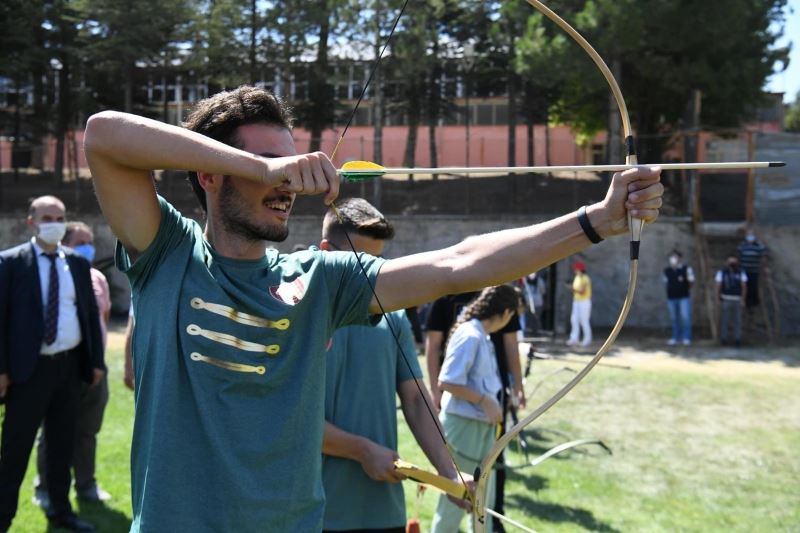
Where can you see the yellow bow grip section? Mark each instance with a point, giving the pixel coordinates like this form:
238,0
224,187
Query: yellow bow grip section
446,485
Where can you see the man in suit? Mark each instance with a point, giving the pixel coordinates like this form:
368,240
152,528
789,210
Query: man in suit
80,237
50,340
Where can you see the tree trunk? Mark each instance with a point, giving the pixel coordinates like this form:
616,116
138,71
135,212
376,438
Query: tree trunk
164,100
319,96
41,123
614,145
62,122
531,140
432,149
546,136
128,105
252,50
377,110
433,99
512,119
40,114
512,109
17,126
409,159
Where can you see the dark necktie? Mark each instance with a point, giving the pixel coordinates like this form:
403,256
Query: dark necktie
51,313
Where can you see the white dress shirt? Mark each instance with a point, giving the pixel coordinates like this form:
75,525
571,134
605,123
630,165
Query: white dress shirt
68,335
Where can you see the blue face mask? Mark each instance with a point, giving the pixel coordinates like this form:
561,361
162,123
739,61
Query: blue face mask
86,250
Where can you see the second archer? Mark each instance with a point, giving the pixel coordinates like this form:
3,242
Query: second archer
365,370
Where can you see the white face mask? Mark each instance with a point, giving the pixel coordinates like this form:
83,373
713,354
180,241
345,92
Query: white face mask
750,237
52,232
673,261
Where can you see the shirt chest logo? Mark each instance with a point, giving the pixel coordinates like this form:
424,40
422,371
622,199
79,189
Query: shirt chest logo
289,293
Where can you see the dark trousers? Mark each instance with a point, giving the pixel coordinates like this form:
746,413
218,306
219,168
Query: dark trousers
500,470
752,290
50,395
730,311
91,407
499,492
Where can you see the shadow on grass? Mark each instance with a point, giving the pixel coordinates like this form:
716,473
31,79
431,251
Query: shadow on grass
558,514
702,349
537,441
532,482
105,519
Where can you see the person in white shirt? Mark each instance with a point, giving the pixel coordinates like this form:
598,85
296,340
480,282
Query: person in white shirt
93,400
470,381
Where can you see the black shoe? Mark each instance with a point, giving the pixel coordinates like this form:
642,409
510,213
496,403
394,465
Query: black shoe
69,522
42,499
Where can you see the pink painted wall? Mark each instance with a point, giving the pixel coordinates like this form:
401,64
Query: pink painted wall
48,153
488,145
5,154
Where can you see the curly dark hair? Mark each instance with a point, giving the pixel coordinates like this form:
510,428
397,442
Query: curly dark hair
220,115
357,216
490,302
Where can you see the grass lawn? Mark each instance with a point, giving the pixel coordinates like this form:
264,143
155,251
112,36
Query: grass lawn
700,443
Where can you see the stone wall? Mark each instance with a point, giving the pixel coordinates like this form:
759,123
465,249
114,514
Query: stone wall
784,257
777,191
607,262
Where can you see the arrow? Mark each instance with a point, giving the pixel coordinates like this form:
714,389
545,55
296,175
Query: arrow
354,171
446,485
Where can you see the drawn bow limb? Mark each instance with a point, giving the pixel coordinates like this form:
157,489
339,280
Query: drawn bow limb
483,472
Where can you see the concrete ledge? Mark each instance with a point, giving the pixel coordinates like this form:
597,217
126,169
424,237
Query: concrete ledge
723,229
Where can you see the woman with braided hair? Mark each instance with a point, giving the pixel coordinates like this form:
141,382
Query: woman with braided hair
471,385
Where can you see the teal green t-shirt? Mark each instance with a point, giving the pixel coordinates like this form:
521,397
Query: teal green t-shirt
229,361
364,369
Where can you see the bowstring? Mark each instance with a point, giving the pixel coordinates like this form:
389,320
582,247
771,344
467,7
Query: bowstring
395,334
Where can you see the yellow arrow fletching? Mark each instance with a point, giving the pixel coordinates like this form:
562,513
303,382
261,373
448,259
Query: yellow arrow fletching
361,170
361,166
